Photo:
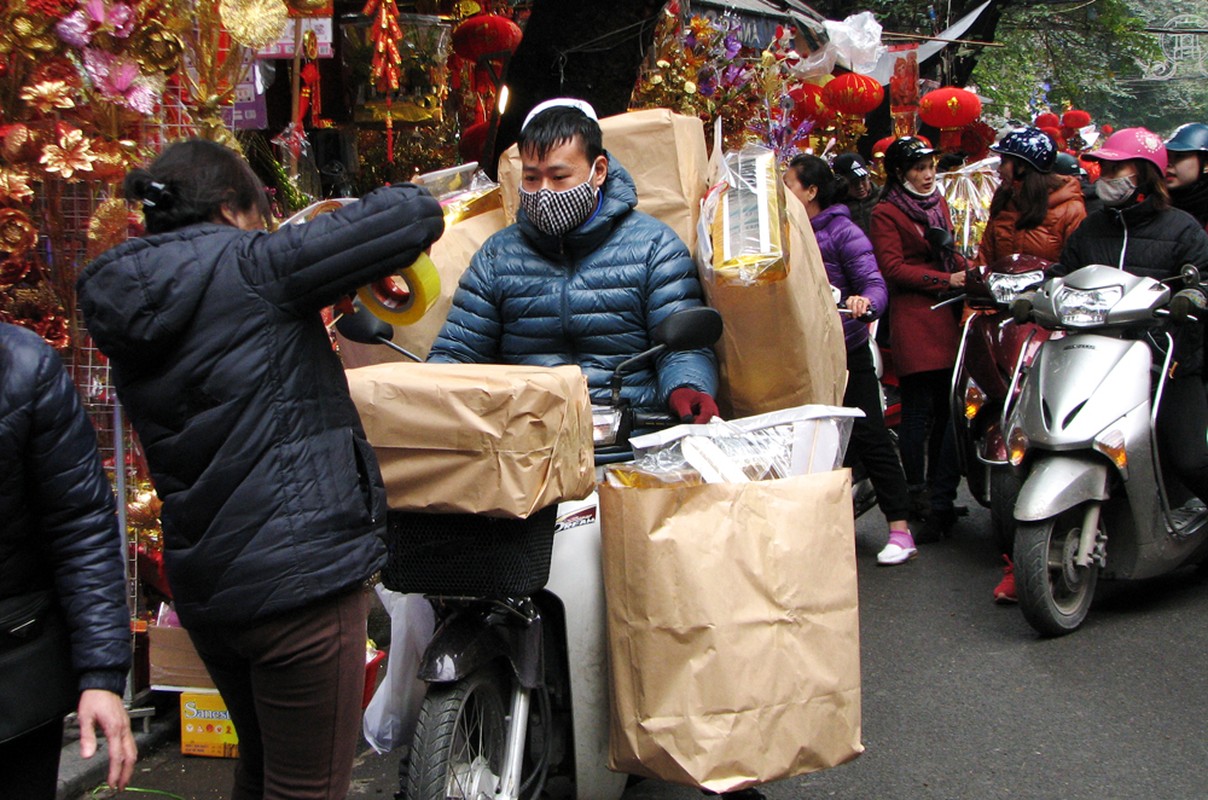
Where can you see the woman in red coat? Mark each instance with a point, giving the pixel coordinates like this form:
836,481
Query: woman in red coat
924,342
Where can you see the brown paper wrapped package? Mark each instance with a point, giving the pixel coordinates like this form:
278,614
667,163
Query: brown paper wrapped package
662,151
782,343
733,629
488,439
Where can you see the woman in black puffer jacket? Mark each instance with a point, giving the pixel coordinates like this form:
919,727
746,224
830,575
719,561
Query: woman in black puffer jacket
273,505
58,532
1140,232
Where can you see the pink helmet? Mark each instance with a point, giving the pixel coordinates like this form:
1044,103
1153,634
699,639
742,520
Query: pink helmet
1133,143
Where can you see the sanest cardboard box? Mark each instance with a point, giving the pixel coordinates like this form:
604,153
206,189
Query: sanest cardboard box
205,726
175,664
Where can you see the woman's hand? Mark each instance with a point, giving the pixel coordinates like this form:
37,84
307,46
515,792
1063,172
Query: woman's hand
858,306
957,280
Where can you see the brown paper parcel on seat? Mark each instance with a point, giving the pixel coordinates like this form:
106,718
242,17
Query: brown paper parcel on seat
733,629
490,439
782,342
662,151
451,254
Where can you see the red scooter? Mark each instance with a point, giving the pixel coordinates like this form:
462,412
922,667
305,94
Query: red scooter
994,352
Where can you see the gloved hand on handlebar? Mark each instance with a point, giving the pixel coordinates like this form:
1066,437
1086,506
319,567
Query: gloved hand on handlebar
692,406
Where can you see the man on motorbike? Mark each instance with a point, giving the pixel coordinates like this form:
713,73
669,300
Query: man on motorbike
1140,232
581,277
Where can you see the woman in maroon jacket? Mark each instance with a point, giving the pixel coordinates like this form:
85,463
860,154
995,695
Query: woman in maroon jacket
924,342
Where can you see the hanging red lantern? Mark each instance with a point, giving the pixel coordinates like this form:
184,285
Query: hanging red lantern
949,109
486,36
853,94
809,105
1046,120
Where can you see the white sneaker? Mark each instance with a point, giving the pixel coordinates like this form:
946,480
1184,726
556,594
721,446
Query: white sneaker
899,550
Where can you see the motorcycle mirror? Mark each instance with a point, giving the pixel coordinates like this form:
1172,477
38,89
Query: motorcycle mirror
689,329
363,327
939,238
1190,275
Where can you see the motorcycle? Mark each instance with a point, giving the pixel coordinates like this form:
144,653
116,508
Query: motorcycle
1094,500
993,352
517,702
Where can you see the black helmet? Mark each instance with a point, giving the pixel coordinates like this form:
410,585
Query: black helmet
1189,138
902,154
850,165
1066,164
1031,145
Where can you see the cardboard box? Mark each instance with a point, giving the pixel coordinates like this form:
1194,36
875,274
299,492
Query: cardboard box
205,726
175,665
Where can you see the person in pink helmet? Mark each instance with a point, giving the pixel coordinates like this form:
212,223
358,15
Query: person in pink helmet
1139,231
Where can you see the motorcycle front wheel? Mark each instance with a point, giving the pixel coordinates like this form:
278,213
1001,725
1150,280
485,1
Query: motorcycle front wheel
1054,592
460,738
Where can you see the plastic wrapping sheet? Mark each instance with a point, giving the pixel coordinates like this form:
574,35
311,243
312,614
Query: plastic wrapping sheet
968,191
745,216
779,444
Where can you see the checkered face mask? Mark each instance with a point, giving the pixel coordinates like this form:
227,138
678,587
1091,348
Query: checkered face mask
555,213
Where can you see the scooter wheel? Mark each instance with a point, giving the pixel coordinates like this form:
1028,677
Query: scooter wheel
460,739
1054,592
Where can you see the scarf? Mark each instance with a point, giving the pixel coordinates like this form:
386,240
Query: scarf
1193,199
927,211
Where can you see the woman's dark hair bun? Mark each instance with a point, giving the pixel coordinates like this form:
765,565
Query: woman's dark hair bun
141,185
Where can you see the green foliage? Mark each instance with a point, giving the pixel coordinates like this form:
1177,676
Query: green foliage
1062,54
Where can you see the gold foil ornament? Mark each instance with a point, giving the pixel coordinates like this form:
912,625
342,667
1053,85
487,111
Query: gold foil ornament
254,23
17,233
156,48
49,96
72,154
109,226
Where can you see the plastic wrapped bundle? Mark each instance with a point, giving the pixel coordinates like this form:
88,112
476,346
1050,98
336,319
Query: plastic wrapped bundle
749,223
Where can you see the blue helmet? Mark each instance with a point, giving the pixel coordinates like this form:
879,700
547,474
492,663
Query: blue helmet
1031,145
1189,138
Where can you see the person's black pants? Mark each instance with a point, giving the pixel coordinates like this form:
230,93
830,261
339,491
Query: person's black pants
1183,432
29,764
871,443
926,437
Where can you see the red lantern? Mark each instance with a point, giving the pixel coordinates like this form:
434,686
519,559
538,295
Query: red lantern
1076,118
853,94
808,104
1046,120
949,109
486,36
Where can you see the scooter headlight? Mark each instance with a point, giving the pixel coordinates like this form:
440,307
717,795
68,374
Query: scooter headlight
1078,308
1111,444
975,398
1006,288
1017,446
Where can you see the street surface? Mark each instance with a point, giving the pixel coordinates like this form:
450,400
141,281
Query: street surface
961,700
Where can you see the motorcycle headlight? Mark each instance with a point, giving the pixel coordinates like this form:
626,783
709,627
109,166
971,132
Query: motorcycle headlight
605,424
1085,307
1006,288
975,398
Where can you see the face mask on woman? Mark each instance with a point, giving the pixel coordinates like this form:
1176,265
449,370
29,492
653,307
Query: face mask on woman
910,187
555,213
1115,191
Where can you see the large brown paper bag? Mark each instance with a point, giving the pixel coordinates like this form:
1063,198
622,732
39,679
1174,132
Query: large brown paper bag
733,629
662,151
492,439
782,342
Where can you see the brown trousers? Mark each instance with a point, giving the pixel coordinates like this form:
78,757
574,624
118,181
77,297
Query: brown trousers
294,686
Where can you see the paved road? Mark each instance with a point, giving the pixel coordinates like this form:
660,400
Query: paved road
961,700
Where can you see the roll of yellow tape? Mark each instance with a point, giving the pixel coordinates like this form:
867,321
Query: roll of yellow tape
403,298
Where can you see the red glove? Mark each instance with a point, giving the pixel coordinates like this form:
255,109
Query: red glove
692,406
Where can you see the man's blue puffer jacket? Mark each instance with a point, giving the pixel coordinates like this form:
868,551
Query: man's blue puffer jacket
591,297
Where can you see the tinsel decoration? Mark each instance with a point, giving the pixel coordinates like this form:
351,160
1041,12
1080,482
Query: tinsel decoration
386,68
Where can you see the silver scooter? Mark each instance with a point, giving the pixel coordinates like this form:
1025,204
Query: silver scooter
1094,499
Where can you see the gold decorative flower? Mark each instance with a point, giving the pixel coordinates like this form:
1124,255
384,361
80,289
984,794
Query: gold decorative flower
14,185
254,23
156,48
33,34
109,226
12,270
17,234
71,155
48,96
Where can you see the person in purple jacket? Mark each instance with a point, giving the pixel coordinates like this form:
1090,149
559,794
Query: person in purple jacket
852,269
